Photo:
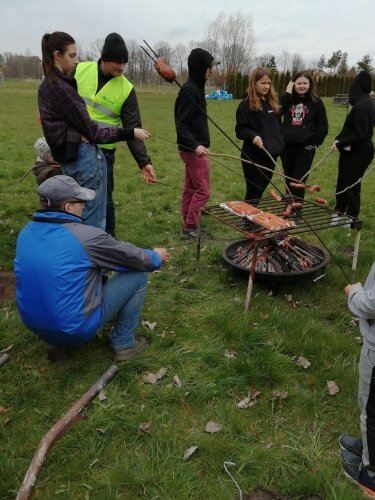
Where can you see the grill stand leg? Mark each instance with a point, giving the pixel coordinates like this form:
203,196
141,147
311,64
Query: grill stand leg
356,250
251,276
198,242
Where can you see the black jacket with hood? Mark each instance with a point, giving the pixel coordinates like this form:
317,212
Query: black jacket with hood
265,123
190,108
359,124
304,120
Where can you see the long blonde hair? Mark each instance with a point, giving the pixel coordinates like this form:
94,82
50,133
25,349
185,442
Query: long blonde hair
255,102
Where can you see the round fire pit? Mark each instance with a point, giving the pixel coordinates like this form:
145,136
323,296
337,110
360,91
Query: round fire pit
278,260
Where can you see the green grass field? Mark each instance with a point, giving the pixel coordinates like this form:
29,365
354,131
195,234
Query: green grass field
289,445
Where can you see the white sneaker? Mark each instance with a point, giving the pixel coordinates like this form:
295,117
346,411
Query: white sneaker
348,225
335,219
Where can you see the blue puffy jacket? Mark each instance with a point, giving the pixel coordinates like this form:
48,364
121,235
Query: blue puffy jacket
58,266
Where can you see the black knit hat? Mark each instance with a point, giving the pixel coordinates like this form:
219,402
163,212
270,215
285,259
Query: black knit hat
114,49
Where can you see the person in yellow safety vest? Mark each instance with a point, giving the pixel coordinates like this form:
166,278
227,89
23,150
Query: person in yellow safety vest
111,100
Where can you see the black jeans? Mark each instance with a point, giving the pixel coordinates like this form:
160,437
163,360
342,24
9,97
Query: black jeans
351,168
256,178
297,160
111,216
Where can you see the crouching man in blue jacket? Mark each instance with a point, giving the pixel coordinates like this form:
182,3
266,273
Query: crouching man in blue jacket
59,266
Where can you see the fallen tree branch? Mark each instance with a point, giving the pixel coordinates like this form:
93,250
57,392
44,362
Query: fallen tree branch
3,359
58,429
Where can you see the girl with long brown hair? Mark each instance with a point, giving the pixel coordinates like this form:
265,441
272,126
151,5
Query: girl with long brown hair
258,125
305,127
69,131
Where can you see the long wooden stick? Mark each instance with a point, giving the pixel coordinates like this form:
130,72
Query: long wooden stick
262,167
3,359
58,429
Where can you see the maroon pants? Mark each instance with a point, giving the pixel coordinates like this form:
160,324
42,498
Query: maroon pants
196,191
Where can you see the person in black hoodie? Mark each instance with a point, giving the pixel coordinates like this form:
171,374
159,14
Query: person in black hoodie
258,125
354,143
305,127
193,139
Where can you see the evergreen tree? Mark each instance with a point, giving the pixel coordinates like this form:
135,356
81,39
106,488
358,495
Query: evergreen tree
365,63
231,83
239,87
245,84
282,85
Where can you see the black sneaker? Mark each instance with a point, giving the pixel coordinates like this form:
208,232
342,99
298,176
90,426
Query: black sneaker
352,444
356,472
138,346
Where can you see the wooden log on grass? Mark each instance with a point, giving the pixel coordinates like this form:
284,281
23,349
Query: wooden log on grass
58,429
3,359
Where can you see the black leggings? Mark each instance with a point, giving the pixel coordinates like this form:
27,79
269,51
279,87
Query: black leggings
256,179
297,160
351,168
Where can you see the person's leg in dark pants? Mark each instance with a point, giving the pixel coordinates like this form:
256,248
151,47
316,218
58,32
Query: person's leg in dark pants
341,199
351,167
297,160
256,178
111,218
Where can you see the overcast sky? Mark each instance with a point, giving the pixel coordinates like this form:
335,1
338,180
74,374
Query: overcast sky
310,28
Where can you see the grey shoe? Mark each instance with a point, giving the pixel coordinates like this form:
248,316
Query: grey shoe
138,346
192,234
352,444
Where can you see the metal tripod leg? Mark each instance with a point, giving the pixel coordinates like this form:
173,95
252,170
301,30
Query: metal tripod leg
251,275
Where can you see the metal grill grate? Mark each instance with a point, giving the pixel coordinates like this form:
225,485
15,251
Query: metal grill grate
314,217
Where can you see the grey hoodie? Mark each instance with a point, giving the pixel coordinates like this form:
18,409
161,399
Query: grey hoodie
361,302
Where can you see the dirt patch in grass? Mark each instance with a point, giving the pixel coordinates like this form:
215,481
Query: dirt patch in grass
7,287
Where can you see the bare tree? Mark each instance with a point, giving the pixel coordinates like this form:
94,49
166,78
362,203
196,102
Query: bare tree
95,50
214,35
131,67
283,61
180,56
297,63
233,39
164,49
144,66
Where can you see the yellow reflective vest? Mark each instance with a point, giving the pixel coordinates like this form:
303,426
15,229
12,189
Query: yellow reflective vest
105,106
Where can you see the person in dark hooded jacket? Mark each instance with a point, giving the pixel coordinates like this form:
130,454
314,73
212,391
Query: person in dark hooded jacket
258,125
193,139
305,127
354,143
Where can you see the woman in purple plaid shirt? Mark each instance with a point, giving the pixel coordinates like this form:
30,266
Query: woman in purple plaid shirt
68,129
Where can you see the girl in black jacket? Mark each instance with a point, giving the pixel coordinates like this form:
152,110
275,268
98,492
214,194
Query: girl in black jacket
305,127
354,143
258,125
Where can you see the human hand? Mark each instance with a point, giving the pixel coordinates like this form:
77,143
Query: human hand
348,288
258,141
289,87
201,151
141,134
148,173
334,146
164,254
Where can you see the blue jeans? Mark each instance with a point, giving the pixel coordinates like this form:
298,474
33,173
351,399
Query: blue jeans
123,296
90,171
111,216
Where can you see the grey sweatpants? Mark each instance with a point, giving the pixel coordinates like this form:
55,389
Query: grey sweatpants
366,401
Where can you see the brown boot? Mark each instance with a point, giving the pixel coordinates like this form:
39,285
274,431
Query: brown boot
139,344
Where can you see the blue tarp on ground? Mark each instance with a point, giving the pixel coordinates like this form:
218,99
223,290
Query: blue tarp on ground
220,94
